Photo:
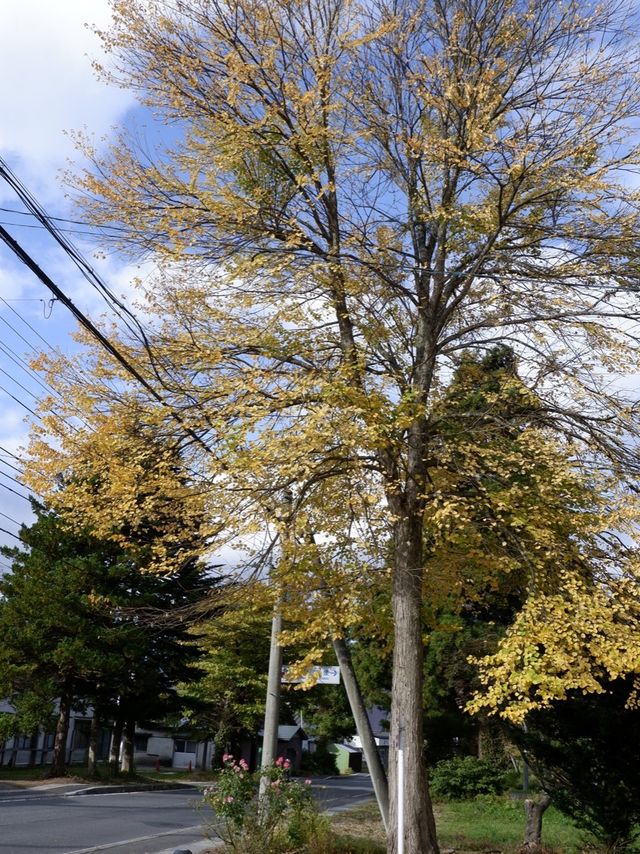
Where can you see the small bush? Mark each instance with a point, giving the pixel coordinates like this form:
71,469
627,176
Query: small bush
466,777
284,819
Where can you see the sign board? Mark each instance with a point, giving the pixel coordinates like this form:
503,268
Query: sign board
328,676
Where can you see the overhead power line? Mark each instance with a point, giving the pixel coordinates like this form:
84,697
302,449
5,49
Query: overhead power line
37,211
10,518
44,228
10,453
35,331
19,402
15,492
28,261
65,219
32,205
11,466
24,366
11,477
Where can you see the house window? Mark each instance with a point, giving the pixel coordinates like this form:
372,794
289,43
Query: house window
141,743
184,746
49,740
23,742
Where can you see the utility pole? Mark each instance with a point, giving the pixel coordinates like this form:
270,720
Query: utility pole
274,679
272,708
363,728
359,712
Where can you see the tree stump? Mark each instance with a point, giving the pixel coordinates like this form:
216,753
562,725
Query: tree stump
534,810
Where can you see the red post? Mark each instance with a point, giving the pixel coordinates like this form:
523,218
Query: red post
190,769
157,764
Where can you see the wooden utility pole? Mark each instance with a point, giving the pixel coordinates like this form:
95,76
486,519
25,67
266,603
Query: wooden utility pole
363,728
272,708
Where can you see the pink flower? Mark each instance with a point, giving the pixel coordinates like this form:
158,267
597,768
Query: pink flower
227,757
287,764
229,799
243,765
279,761
276,784
307,782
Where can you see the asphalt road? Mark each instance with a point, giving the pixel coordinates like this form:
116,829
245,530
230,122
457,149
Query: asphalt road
56,822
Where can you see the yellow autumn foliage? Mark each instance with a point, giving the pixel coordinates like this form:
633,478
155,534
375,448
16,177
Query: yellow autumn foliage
355,195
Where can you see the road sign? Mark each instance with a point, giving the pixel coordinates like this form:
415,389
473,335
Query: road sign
327,676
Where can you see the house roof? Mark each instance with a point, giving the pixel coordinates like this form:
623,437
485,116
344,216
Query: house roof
379,720
286,733
348,748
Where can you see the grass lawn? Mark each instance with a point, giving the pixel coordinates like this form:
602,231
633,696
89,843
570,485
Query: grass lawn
362,827
481,825
104,775
37,773
497,824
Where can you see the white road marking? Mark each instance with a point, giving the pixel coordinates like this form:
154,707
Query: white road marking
194,829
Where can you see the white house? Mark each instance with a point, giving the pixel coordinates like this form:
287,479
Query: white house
151,747
37,748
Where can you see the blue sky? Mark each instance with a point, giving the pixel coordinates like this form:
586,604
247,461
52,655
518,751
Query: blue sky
47,87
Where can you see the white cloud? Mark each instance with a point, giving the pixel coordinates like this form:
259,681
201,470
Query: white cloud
11,427
15,282
47,85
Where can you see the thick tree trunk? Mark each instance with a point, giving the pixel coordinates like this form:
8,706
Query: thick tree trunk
92,753
114,750
482,740
59,761
534,809
127,766
363,728
410,804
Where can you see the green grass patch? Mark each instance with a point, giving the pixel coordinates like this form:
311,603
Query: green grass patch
105,775
497,823
484,824
359,830
39,772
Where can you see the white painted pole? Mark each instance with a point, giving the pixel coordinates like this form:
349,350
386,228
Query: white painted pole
400,777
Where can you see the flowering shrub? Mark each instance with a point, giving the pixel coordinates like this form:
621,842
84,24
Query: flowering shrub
283,819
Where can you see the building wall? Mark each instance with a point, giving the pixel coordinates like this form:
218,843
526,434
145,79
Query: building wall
151,746
170,751
37,748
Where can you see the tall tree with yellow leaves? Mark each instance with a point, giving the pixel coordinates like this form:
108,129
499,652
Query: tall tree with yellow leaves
355,194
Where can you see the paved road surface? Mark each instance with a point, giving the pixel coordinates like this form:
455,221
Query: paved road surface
53,822
338,793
